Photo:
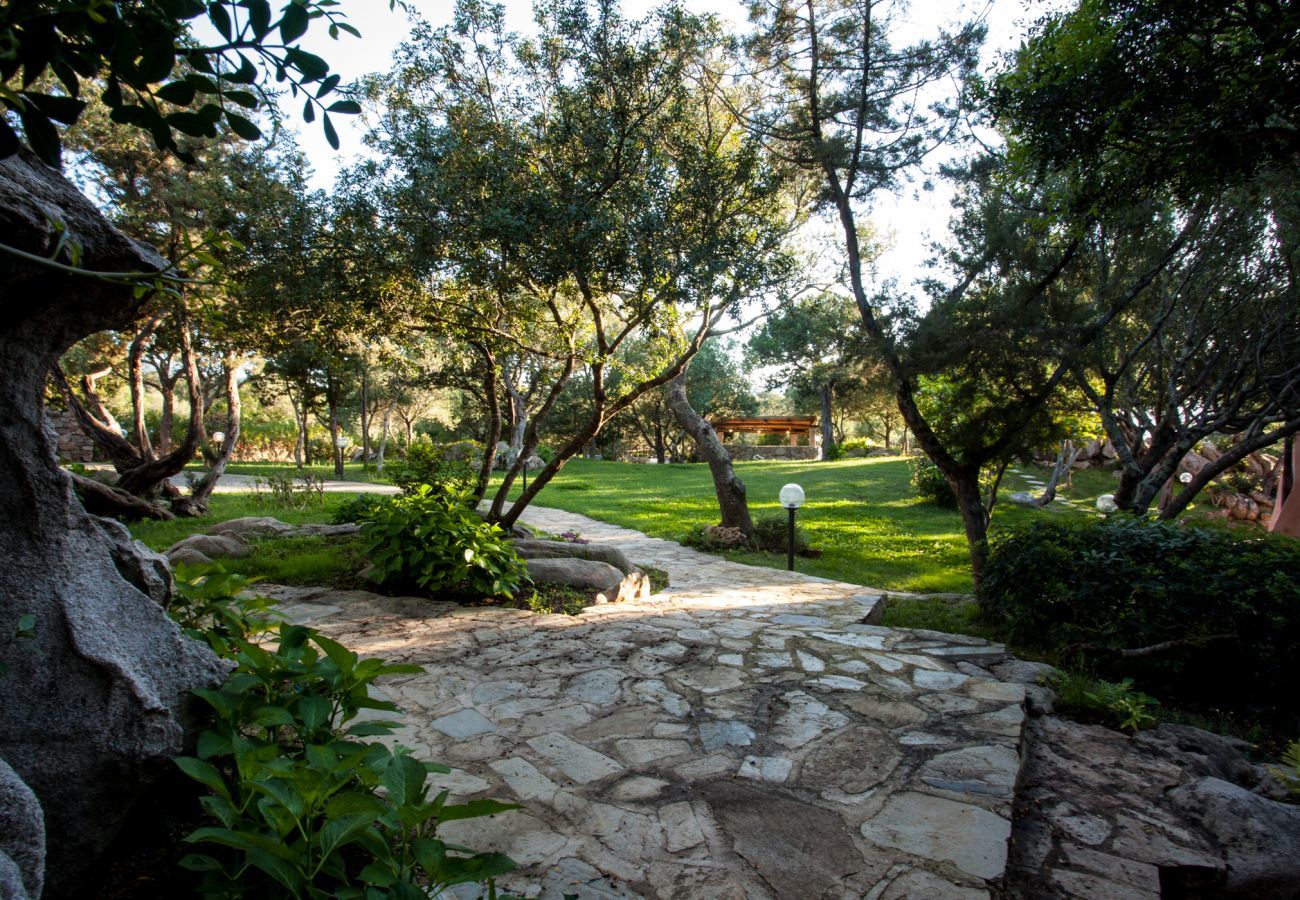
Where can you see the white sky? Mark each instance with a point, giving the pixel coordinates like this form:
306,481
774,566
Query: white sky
912,220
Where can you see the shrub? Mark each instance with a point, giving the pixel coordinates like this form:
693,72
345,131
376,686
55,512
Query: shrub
714,538
930,483
431,541
1112,703
1208,616
217,607
771,533
429,464
356,509
835,451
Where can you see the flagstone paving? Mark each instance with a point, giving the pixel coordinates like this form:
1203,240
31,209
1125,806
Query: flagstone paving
747,733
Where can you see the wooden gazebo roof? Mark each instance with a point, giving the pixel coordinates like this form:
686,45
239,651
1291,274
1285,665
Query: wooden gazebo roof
765,424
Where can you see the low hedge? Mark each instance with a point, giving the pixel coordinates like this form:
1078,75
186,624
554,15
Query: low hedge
1206,616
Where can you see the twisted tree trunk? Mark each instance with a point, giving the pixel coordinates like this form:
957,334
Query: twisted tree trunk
727,485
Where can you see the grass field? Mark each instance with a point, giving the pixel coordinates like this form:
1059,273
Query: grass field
861,513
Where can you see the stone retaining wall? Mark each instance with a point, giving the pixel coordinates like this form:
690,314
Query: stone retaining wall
743,452
74,445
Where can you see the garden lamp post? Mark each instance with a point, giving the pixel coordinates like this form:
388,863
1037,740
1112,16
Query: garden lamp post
219,438
525,474
791,498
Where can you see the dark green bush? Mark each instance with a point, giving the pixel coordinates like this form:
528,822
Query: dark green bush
432,541
1215,613
930,483
771,533
430,464
356,509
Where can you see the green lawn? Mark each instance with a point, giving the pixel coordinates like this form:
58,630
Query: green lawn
860,512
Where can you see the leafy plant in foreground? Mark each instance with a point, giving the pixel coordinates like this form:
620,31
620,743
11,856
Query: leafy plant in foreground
304,806
434,542
216,606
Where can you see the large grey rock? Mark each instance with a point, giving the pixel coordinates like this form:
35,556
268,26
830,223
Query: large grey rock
326,530
188,557
252,525
212,545
1259,838
538,549
22,837
1207,755
94,705
584,574
135,562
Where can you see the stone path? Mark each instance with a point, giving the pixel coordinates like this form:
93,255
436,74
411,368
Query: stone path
1039,485
745,734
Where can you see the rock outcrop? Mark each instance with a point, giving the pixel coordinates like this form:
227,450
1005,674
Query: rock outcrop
95,703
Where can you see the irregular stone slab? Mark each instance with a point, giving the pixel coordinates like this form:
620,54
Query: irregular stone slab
919,884
977,770
765,768
804,719
725,734
681,829
463,724
799,849
252,525
641,751
599,687
710,679
579,762
973,839
523,778
853,761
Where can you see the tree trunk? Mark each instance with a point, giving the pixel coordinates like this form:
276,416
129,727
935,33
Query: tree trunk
518,408
135,369
332,398
974,518
383,438
828,423
493,426
730,490
98,702
197,503
365,419
1065,458
168,415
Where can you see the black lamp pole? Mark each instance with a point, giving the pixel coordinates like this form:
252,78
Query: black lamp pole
789,546
525,474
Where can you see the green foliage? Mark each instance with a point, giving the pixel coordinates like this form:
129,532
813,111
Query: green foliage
771,533
431,541
1289,772
1207,616
930,483
835,451
936,614
1114,703
157,76
217,607
285,491
304,806
356,508
427,464
555,598
715,538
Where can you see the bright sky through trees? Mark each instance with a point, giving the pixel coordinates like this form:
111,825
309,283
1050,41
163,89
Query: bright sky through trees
908,222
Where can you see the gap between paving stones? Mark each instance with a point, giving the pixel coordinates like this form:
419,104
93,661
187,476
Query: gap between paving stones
744,734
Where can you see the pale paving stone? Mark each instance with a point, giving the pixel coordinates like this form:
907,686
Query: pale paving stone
973,839
681,829
464,724
980,770
710,680
524,779
938,681
722,734
600,687
804,719
765,768
644,750
731,659
810,663
839,683
919,884
580,763
638,787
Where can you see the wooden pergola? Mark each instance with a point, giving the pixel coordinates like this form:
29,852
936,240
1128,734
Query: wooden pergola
791,426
